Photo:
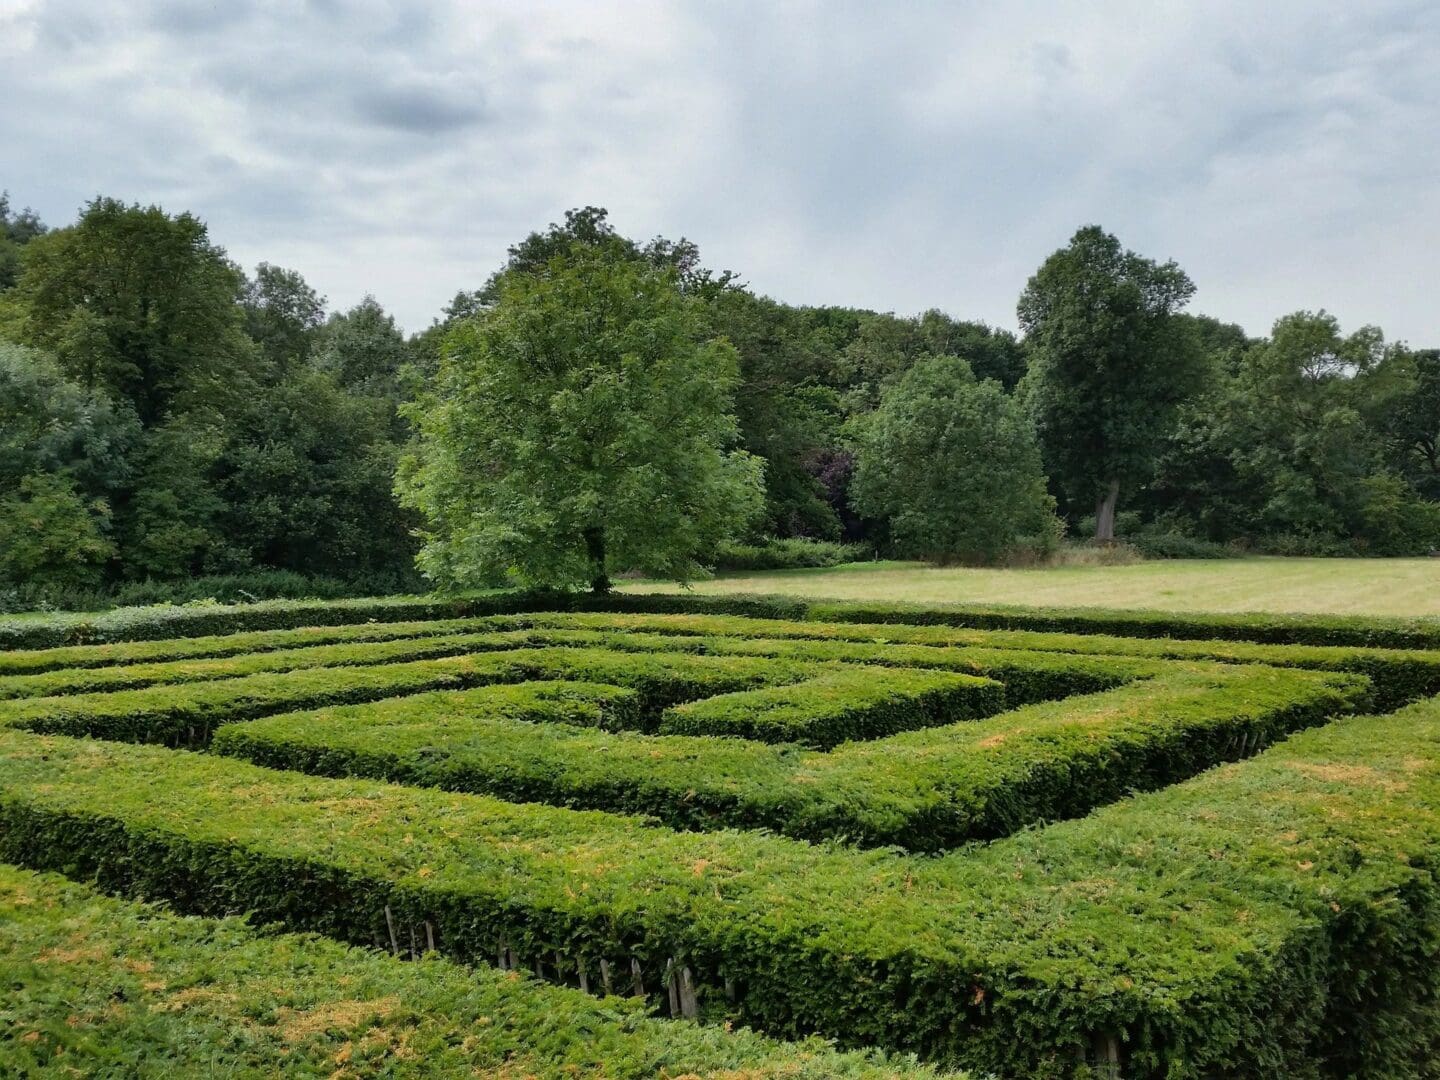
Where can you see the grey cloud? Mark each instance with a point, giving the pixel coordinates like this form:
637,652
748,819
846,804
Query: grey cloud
899,157
418,109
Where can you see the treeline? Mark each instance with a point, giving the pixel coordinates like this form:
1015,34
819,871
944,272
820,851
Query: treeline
172,426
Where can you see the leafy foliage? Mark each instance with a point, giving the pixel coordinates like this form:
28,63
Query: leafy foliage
583,424
1110,365
954,465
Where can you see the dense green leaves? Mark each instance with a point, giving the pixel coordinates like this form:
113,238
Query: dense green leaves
111,987
582,425
954,465
1111,363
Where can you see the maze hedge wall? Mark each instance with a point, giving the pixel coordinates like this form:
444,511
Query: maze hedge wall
1022,852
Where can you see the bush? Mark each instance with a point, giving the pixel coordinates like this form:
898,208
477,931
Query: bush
1173,544
954,466
789,553
1249,923
166,995
50,537
928,790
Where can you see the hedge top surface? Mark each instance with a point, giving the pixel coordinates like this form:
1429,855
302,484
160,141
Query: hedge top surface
969,907
130,624
114,987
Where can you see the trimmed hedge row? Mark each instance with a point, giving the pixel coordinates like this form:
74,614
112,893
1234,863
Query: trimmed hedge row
175,672
1400,675
187,714
927,790
167,621
133,624
112,987
1276,917
838,706
1264,627
36,661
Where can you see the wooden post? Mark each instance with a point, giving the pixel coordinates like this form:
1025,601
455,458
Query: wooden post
429,936
689,1002
671,989
414,951
390,925
605,976
637,979
1106,1055
584,975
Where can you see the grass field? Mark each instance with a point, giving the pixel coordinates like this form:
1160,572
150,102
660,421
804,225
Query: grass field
1406,587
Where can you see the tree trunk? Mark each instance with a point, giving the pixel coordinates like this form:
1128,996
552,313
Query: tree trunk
1105,514
595,551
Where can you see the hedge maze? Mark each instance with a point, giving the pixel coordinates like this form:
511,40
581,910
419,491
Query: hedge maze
1014,851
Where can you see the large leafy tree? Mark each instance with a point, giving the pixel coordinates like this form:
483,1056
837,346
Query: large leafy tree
952,462
139,305
1110,365
581,425
1412,423
1289,449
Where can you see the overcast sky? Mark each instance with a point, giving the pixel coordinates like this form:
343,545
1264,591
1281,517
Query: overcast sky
898,156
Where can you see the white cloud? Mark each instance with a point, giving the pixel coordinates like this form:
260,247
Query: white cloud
894,156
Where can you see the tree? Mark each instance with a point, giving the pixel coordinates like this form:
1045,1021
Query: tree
581,425
16,230
282,315
1412,423
306,477
51,425
1289,452
954,465
1110,365
140,306
51,537
364,350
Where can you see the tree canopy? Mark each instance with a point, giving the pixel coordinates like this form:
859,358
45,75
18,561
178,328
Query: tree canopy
953,464
1110,365
583,423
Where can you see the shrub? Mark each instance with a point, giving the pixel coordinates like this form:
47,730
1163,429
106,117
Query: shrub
166,996
788,553
1251,922
50,537
927,790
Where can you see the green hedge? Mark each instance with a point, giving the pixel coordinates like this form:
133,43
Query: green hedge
1400,675
1276,917
1263,627
215,646
111,987
187,714
850,703
168,621
133,624
93,680
926,791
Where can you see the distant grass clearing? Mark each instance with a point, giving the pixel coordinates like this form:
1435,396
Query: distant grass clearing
1340,586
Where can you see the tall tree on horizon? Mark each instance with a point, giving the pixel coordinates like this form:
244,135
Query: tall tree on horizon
1110,365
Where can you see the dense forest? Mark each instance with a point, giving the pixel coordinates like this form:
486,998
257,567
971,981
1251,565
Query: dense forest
173,427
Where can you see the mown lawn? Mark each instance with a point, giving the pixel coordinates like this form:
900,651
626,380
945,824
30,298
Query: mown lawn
1340,586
